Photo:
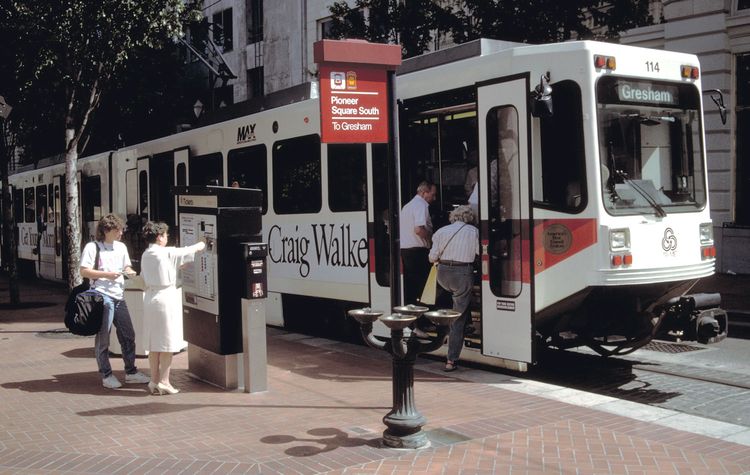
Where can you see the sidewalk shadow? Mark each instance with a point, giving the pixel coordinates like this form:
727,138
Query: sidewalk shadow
152,408
596,374
76,383
325,438
85,352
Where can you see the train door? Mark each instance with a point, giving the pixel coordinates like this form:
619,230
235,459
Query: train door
181,159
159,177
56,215
143,188
507,285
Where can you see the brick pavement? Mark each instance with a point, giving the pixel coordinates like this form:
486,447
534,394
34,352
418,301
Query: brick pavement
321,414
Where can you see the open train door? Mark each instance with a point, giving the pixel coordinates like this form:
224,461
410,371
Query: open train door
505,212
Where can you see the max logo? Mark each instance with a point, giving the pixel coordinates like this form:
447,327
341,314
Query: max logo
246,133
669,242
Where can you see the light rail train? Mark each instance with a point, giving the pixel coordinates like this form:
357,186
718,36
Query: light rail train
591,175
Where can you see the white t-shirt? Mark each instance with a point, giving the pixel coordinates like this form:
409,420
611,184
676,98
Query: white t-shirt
414,213
112,258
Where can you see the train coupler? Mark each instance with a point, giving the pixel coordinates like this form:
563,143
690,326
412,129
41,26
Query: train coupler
695,317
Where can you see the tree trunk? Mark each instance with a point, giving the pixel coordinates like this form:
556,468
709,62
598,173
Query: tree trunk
73,214
10,246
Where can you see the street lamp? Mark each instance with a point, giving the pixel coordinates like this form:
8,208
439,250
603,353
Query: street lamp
198,108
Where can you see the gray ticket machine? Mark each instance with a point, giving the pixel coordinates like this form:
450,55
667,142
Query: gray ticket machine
214,285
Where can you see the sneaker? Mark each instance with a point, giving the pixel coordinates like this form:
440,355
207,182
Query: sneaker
137,378
111,382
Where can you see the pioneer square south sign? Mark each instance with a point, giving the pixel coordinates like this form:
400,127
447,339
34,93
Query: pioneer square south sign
354,90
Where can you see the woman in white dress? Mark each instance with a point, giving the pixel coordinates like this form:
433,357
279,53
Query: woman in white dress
162,318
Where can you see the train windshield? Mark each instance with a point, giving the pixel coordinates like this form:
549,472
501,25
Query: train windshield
650,146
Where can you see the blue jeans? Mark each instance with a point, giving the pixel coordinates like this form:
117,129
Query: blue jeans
115,311
459,281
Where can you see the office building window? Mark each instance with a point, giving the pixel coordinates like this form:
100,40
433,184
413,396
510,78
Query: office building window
222,30
325,27
255,82
742,197
743,4
254,19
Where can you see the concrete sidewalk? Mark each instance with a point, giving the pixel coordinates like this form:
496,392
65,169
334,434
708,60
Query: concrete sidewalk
321,414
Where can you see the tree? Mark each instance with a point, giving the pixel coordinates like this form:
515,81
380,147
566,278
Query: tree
66,53
545,21
8,137
417,23
414,24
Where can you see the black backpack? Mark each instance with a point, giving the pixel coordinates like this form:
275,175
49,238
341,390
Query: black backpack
85,308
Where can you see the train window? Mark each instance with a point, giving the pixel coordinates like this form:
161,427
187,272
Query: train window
91,199
131,192
18,205
504,249
347,177
380,219
296,175
50,203
30,210
650,146
206,170
248,167
563,159
41,204
143,194
181,179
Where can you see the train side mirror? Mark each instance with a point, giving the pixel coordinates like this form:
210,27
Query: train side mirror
718,99
541,98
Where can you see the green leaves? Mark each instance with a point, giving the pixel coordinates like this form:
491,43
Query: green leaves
415,24
65,52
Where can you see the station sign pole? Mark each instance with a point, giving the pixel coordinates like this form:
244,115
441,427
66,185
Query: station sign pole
358,105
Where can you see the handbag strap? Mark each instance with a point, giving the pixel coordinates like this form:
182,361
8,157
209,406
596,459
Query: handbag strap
96,261
449,241
96,258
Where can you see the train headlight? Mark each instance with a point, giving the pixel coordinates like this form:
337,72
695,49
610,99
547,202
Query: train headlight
619,239
707,233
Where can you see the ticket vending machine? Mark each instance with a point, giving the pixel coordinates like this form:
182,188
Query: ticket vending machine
215,283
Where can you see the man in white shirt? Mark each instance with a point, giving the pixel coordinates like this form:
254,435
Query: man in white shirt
108,278
416,236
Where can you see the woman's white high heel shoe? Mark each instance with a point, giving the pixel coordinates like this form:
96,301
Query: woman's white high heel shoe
153,388
164,389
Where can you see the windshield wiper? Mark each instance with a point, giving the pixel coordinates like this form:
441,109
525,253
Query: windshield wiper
645,194
624,177
649,119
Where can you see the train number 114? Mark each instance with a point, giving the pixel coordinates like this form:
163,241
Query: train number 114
652,66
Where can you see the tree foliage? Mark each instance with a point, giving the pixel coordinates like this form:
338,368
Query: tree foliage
411,24
65,54
418,23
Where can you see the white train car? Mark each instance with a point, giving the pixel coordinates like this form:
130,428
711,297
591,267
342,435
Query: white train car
589,162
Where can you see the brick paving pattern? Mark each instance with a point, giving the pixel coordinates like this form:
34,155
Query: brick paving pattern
321,414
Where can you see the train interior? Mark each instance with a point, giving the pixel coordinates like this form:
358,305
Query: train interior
439,144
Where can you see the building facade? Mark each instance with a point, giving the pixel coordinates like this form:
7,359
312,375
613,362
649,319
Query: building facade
718,31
